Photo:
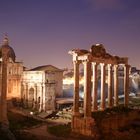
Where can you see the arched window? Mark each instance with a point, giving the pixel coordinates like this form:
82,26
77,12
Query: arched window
31,94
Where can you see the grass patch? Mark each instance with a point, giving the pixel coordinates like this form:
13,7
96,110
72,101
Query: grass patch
60,130
99,115
18,121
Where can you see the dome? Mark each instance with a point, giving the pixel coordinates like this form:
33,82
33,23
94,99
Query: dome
5,48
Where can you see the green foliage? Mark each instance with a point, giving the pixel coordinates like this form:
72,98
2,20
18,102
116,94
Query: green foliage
18,121
60,130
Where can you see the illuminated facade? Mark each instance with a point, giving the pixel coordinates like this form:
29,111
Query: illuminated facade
15,70
40,87
37,87
14,75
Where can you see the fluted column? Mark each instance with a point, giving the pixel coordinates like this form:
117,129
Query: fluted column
115,85
76,89
94,87
102,86
87,89
126,85
110,101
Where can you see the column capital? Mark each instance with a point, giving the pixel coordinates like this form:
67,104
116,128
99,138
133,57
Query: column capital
102,64
94,63
86,61
115,65
109,65
77,62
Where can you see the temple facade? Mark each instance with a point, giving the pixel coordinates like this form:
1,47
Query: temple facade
97,59
37,88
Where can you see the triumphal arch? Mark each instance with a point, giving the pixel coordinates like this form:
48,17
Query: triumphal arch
94,60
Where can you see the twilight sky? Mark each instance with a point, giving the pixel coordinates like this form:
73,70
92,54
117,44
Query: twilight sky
43,31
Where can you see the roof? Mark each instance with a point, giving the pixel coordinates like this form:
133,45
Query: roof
46,68
10,50
6,48
98,54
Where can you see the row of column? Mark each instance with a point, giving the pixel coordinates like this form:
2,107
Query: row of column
87,86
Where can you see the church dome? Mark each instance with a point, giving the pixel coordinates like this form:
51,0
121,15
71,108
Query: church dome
5,48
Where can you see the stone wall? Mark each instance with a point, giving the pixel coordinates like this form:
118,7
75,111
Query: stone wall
90,127
116,121
85,126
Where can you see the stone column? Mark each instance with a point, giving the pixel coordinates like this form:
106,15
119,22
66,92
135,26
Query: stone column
26,96
3,102
94,87
36,96
126,85
110,97
102,86
115,85
41,98
76,89
87,89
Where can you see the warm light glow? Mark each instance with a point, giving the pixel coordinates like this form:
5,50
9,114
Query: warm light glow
70,80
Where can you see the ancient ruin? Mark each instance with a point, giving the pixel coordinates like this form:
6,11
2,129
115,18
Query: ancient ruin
36,88
40,87
97,59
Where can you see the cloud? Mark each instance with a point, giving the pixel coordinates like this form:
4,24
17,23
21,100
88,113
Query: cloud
106,4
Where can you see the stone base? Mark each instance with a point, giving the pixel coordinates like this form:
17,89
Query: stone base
88,127
85,126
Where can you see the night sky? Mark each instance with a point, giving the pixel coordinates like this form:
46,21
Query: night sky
43,31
